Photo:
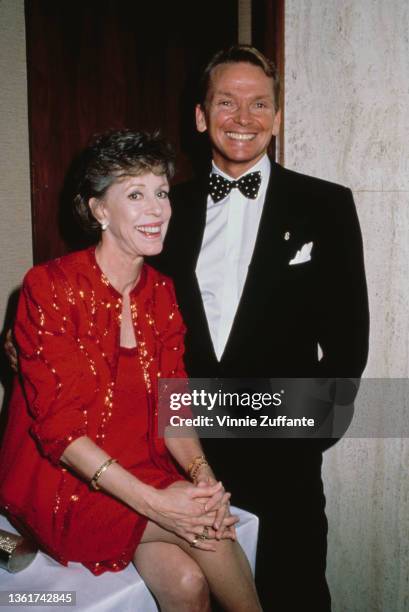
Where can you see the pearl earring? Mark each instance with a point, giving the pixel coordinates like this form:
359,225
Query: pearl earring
104,225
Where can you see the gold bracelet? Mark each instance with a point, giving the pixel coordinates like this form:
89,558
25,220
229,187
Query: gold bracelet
100,470
194,460
195,470
195,465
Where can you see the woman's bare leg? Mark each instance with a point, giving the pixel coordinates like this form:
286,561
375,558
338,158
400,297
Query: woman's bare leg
227,570
174,577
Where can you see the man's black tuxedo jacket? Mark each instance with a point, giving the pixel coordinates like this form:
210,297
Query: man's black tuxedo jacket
285,310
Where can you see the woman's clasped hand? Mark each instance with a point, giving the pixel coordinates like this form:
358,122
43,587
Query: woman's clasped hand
190,511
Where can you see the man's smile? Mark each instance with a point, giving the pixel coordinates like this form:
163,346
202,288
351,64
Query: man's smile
240,136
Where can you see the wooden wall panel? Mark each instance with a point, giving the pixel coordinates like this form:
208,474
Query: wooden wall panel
94,65
267,18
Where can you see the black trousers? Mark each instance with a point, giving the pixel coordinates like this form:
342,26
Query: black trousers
280,481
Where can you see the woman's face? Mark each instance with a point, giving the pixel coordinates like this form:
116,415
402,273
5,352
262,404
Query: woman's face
137,211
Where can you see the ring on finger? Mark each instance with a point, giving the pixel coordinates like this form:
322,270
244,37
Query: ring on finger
195,541
205,533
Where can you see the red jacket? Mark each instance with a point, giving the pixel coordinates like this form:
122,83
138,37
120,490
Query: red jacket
68,334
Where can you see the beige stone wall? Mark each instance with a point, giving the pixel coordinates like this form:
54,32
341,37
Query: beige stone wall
15,208
347,120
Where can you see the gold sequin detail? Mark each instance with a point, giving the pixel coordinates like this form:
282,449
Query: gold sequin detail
41,315
93,306
143,356
57,500
70,294
105,280
107,411
91,362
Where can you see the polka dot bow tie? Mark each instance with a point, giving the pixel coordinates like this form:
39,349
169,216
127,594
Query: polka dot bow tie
219,187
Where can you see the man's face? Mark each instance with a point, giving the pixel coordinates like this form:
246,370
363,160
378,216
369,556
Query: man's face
240,116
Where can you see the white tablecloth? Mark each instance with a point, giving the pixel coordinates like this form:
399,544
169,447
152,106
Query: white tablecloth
110,592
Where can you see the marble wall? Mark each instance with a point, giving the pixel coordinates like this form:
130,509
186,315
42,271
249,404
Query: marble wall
15,207
347,120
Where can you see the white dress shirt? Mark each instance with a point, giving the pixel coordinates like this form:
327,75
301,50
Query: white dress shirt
227,248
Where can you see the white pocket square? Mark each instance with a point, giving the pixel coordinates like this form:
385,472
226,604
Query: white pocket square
303,255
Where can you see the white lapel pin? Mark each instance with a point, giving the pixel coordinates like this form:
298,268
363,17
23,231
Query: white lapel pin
287,236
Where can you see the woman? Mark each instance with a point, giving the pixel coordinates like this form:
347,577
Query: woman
82,469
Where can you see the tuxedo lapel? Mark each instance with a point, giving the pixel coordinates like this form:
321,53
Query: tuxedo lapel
187,229
190,223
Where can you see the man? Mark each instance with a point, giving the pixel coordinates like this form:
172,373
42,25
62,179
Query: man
270,277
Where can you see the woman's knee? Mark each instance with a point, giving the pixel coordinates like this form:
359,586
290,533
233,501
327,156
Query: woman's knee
192,586
182,587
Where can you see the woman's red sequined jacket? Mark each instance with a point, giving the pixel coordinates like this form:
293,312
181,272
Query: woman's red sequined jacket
68,335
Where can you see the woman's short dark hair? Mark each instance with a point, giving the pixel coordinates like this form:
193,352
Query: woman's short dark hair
234,55
112,155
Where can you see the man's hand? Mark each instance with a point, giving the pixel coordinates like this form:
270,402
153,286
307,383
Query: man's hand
11,351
